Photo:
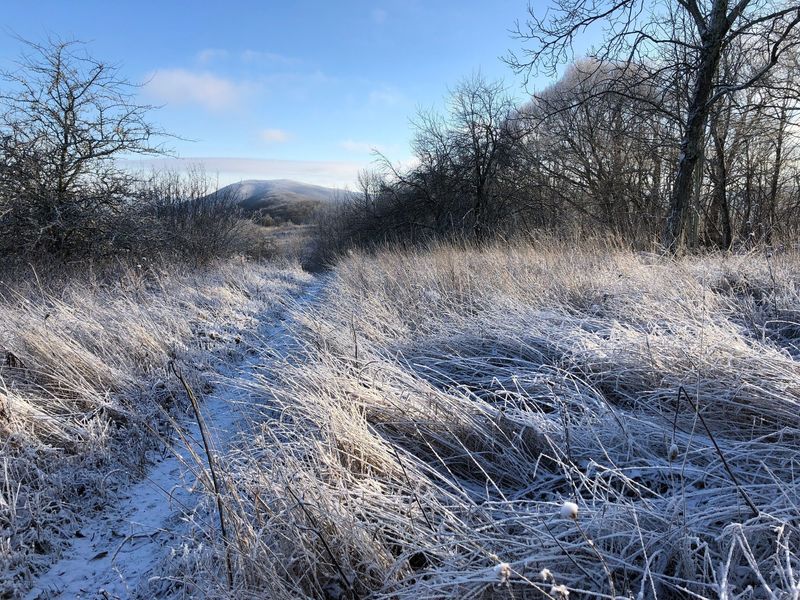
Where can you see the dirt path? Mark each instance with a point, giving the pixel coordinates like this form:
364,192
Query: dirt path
116,551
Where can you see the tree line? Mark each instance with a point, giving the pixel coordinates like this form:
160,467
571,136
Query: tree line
679,129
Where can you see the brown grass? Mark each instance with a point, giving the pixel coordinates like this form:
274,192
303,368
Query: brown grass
441,406
84,384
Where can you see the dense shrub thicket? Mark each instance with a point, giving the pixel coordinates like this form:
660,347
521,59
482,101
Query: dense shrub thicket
65,118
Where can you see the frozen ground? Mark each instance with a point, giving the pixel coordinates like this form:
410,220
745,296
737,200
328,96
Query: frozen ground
115,554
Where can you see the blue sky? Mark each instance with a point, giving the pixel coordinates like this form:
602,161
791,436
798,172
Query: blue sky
268,89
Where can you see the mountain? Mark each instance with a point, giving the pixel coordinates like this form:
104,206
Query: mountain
280,200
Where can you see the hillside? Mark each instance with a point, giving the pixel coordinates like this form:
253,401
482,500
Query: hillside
283,200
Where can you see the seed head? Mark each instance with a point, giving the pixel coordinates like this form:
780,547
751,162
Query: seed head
559,591
503,572
673,451
545,574
569,510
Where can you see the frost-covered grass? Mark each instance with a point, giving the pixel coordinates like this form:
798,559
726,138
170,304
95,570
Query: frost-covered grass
85,391
444,408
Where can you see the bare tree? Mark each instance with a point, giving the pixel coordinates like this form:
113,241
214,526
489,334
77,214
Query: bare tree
456,185
479,116
651,34
65,117
599,153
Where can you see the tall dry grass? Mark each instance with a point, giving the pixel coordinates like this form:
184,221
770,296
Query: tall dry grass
84,386
437,408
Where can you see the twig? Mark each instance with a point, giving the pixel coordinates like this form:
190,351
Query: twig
603,562
133,536
355,338
207,446
411,487
322,539
567,553
739,488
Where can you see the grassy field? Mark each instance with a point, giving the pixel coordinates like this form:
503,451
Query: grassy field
85,391
525,422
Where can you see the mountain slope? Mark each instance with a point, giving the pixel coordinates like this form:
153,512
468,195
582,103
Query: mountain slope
282,200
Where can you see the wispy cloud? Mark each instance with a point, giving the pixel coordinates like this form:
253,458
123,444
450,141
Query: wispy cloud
339,174
386,96
359,147
274,135
184,87
208,55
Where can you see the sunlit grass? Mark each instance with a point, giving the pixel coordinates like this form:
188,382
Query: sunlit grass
523,422
84,384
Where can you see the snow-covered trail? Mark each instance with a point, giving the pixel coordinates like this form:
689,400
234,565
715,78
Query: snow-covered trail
115,552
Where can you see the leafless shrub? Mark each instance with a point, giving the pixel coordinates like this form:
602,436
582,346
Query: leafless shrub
186,216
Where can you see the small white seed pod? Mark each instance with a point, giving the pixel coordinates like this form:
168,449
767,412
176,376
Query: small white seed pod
569,510
673,451
503,572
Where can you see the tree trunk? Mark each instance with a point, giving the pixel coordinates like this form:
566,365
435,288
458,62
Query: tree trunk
776,172
692,140
747,230
718,226
693,214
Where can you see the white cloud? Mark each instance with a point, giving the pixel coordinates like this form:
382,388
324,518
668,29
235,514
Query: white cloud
359,147
183,87
208,55
274,135
339,174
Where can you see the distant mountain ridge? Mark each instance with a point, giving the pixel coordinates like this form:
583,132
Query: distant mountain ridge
280,200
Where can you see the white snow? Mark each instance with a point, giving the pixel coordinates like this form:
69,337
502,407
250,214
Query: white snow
120,548
127,540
